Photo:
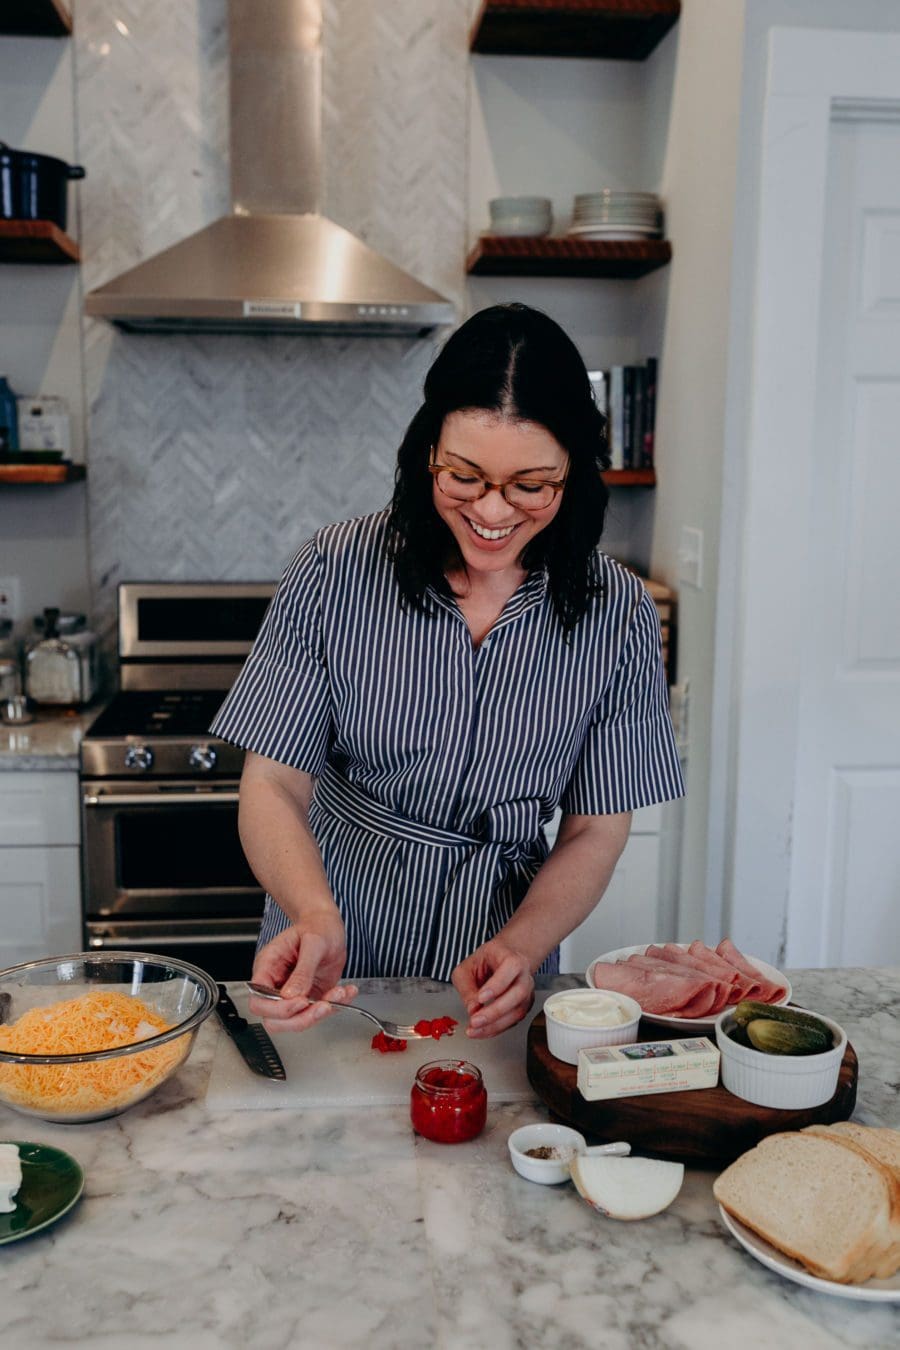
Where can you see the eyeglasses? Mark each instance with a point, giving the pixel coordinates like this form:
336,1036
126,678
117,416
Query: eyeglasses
467,485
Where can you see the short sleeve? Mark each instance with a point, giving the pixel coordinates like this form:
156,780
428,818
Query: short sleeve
628,757
280,704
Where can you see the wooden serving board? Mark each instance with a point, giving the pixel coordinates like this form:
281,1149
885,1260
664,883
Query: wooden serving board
705,1126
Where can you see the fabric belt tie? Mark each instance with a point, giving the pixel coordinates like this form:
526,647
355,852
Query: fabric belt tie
343,799
467,917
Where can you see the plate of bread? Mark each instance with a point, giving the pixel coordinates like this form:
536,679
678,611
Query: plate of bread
821,1206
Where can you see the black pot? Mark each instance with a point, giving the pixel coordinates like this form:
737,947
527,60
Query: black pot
34,187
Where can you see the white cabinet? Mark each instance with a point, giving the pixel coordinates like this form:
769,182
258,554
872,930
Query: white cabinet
640,901
40,865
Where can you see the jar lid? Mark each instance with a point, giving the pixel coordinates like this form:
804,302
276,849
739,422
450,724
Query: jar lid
62,623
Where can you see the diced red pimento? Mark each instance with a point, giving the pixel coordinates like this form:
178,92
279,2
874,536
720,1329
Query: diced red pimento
437,1027
387,1044
449,1078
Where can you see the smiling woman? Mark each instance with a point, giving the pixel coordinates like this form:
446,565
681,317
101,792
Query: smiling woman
432,681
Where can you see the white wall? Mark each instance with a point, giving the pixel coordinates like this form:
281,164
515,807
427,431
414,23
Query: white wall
761,17
43,530
698,183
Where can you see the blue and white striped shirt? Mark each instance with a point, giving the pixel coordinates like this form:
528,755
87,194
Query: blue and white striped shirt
438,763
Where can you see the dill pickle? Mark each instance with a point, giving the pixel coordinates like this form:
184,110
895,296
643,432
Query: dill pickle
748,1009
783,1038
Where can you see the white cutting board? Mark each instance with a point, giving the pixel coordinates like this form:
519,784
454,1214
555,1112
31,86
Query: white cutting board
333,1064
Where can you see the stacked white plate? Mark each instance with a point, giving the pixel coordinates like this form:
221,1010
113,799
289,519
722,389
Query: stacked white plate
615,214
521,215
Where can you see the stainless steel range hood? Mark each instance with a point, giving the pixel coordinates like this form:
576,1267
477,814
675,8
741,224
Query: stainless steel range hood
275,265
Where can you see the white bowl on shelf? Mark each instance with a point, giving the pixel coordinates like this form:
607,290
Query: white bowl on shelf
520,206
521,215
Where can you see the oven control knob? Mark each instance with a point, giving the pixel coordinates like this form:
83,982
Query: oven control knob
202,757
139,757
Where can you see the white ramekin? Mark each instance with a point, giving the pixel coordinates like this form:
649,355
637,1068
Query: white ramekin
791,1082
564,1040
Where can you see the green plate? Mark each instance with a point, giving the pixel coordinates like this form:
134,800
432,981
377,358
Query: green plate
52,1181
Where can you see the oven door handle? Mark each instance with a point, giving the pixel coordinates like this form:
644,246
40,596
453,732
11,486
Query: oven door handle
212,938
158,799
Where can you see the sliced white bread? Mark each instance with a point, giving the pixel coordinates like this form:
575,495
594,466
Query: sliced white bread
884,1143
882,1258
829,1206
883,1149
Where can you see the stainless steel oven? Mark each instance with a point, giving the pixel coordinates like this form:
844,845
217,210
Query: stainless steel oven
162,861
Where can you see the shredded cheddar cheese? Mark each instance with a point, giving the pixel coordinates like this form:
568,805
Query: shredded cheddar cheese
102,1020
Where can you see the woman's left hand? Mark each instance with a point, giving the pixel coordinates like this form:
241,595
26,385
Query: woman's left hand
496,986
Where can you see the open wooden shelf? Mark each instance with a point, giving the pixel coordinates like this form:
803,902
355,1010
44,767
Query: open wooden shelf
34,18
36,241
630,478
504,256
14,475
612,30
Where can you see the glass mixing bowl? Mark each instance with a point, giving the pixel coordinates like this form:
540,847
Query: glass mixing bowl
96,1082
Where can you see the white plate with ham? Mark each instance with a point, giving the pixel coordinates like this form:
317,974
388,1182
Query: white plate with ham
684,986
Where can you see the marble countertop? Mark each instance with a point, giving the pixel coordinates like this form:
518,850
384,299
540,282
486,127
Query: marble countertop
51,741
339,1229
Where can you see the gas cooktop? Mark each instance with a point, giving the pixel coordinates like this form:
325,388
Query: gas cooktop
152,713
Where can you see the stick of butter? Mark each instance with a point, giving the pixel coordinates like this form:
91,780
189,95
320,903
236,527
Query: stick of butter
10,1176
649,1066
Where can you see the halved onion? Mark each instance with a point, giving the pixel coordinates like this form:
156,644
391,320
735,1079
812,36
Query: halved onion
627,1188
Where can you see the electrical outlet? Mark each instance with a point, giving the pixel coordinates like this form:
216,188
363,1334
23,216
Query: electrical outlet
9,598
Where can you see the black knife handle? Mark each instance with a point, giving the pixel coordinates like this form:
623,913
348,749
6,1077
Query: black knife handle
228,1012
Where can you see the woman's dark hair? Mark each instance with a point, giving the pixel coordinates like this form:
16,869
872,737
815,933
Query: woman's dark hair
518,363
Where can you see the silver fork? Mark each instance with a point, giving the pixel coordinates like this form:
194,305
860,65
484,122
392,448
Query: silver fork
392,1029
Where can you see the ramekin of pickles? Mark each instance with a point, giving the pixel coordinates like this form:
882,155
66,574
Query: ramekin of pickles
783,1057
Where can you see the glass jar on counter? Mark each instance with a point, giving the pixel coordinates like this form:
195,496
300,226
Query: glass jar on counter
448,1102
60,663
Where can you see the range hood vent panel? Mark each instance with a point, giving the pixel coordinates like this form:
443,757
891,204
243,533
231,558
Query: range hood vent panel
272,266
279,273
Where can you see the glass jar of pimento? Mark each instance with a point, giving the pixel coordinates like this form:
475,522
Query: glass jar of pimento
448,1102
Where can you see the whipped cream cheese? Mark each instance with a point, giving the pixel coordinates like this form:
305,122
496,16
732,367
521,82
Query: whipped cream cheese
588,1008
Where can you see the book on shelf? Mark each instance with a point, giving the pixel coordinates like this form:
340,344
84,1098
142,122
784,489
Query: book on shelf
626,395
616,417
600,385
649,423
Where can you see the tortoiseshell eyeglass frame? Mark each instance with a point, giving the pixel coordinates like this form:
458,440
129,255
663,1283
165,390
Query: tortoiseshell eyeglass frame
436,469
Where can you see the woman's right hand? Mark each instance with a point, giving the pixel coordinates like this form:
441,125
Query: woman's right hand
304,963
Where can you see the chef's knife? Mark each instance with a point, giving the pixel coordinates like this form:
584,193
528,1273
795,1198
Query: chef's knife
251,1038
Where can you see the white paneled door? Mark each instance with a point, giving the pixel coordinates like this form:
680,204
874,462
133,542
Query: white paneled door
812,876
845,864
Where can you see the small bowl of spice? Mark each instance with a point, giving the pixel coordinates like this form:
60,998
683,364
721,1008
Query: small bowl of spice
542,1152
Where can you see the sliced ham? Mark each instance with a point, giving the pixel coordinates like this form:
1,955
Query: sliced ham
671,981
678,956
744,985
711,997
657,991
769,991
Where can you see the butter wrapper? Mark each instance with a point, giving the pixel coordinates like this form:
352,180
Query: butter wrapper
648,1066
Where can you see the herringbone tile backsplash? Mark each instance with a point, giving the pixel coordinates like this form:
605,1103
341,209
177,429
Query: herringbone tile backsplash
214,457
